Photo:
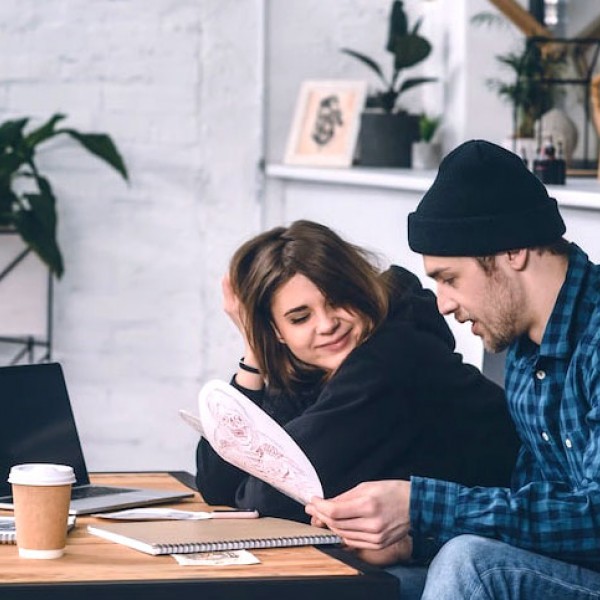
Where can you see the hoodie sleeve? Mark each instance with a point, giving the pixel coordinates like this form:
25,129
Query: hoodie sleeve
216,479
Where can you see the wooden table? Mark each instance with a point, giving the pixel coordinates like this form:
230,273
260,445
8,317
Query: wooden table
93,568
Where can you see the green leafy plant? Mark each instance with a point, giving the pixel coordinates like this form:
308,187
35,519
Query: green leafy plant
427,127
529,92
27,201
408,49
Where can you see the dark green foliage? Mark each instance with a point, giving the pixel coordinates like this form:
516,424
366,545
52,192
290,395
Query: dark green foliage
427,127
529,92
33,212
408,49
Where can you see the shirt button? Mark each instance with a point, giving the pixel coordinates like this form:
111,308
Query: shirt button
540,374
545,436
568,443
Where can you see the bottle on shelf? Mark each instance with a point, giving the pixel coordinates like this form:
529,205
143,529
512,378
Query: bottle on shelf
540,165
549,149
549,165
561,164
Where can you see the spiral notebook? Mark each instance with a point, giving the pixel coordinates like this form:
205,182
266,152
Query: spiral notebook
8,533
213,535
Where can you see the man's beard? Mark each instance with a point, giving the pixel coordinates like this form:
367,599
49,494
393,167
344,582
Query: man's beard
506,304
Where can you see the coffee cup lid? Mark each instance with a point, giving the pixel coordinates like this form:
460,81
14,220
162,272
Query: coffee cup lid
41,474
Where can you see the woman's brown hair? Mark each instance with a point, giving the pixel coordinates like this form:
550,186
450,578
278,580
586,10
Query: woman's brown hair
344,273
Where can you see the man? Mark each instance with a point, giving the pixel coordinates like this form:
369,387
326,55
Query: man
492,240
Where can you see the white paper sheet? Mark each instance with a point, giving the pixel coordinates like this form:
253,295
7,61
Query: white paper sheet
245,436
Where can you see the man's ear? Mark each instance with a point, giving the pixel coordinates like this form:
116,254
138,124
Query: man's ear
517,259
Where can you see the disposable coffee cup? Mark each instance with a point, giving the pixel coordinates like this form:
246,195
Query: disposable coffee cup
41,497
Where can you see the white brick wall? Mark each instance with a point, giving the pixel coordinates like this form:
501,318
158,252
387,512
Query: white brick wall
177,84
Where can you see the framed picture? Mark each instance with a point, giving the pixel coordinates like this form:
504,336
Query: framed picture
326,123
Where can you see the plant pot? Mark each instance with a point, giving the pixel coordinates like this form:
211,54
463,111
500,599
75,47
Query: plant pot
426,155
385,140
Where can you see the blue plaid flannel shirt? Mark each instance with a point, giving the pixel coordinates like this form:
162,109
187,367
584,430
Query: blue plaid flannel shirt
553,391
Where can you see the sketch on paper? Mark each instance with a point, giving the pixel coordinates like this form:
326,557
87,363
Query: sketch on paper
328,118
245,436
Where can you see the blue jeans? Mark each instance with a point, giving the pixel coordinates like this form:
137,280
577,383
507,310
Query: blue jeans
412,580
472,568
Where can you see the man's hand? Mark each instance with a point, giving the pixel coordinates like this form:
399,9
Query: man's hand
398,552
371,515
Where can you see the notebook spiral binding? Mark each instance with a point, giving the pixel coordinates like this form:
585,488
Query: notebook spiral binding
246,544
7,537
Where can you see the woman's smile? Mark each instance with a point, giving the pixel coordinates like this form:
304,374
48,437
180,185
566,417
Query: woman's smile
338,343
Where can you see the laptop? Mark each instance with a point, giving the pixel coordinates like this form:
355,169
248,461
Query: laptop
38,426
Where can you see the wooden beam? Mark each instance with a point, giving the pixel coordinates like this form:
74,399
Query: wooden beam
521,18
595,101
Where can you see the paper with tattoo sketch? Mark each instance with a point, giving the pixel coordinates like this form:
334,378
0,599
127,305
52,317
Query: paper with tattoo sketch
245,436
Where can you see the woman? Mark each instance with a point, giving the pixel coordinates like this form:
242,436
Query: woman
359,367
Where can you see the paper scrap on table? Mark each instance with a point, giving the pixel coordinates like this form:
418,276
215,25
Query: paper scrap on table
217,559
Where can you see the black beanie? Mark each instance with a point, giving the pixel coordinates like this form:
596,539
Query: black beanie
483,201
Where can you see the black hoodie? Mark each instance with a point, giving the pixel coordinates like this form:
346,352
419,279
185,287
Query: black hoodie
403,403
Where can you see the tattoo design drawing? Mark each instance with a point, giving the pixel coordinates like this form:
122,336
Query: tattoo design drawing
245,436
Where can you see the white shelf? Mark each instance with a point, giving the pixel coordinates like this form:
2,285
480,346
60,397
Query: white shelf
580,193
404,179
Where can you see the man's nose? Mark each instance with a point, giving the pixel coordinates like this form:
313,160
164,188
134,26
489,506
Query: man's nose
446,305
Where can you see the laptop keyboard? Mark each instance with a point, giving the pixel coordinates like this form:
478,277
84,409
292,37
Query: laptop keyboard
93,491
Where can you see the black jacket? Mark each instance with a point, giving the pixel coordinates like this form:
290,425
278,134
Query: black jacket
402,403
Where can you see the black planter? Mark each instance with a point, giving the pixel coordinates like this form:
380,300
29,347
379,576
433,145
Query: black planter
385,140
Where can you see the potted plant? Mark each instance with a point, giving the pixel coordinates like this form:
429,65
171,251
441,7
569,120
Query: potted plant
533,98
27,201
530,92
426,153
387,131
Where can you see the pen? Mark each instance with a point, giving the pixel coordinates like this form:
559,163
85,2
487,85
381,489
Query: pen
234,513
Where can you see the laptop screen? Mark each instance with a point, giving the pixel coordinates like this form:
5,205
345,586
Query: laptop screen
37,421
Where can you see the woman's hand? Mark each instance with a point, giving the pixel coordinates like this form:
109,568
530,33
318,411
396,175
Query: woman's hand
234,309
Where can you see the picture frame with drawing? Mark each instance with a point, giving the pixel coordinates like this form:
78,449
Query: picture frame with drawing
326,123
